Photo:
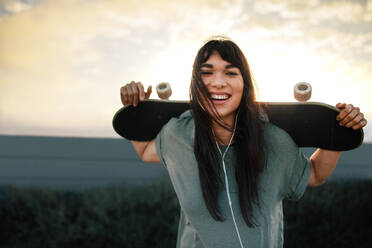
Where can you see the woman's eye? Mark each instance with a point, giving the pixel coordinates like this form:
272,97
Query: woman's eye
205,72
231,73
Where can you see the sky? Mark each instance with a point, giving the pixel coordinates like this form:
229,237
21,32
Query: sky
62,63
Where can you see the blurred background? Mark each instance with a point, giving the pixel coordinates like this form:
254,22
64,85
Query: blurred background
62,64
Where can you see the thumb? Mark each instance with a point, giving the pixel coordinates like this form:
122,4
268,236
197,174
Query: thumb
148,92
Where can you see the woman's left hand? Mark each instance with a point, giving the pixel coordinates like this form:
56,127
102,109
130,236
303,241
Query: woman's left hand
350,116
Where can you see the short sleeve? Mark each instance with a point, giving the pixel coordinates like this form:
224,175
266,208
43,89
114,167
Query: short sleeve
298,176
160,138
291,167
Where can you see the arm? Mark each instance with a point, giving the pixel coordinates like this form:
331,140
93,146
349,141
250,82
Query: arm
131,94
323,162
146,150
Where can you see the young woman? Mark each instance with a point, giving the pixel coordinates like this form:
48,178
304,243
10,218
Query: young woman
230,169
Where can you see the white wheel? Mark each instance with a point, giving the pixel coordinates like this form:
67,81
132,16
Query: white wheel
164,90
302,91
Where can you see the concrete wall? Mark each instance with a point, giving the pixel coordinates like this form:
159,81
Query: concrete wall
72,163
78,163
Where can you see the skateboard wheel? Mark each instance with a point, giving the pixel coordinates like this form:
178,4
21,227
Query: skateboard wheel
164,90
302,91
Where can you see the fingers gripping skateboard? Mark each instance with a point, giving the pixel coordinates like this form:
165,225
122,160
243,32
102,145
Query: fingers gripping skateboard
164,90
302,91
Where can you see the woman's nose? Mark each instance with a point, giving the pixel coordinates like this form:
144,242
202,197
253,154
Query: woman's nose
218,83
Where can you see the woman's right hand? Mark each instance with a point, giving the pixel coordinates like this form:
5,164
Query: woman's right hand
133,93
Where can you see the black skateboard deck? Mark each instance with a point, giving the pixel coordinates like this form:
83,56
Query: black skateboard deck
310,124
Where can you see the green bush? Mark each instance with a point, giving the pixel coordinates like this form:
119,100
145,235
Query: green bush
336,214
114,216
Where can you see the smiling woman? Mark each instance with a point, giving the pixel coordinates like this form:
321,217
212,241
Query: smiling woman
230,169
67,54
221,155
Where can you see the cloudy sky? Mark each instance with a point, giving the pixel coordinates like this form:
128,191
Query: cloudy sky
62,63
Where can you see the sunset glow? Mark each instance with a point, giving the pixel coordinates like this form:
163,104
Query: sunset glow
62,63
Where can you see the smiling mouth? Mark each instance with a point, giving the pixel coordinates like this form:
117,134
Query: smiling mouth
216,97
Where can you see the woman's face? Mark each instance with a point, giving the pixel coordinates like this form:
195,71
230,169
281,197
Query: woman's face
225,85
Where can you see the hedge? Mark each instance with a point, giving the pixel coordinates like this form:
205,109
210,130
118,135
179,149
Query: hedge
337,214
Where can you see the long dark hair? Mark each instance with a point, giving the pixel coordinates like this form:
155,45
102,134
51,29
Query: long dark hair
248,137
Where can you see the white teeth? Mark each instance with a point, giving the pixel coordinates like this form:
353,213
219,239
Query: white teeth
219,97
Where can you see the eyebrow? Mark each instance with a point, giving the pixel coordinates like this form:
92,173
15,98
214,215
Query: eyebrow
211,66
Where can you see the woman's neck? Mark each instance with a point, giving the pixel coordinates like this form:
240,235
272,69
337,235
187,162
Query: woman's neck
222,135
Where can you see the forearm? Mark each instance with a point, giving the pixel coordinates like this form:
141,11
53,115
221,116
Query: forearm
323,163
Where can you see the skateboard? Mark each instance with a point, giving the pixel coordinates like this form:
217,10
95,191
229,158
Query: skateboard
310,124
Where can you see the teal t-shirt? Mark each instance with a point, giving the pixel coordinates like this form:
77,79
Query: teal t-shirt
286,175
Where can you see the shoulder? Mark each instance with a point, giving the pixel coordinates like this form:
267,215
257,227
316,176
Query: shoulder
279,144
274,135
178,131
285,163
179,124
175,137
